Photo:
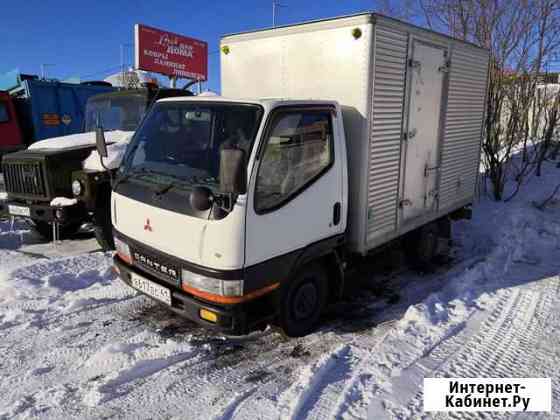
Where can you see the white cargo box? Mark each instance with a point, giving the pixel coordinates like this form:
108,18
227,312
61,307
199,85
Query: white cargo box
413,104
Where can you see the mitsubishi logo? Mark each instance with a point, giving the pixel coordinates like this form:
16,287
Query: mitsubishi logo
147,226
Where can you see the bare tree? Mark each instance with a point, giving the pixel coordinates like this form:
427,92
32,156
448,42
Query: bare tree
403,9
522,36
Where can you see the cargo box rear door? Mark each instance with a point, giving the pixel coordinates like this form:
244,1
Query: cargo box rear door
427,73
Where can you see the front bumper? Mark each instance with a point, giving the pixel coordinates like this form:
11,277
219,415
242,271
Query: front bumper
231,319
47,213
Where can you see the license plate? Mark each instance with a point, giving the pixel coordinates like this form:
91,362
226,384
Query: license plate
152,289
19,210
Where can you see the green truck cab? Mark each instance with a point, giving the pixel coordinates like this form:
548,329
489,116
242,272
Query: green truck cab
61,183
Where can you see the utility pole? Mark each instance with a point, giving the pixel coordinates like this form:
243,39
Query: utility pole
44,70
275,4
123,64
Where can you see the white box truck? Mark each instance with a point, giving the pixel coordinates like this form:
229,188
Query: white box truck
332,139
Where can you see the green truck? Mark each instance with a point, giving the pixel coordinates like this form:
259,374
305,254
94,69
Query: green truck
61,183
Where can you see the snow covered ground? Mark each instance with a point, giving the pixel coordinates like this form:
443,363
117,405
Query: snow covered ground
76,343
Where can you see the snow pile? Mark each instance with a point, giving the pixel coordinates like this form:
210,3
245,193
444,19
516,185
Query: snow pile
116,145
3,196
80,140
511,246
14,233
63,202
115,153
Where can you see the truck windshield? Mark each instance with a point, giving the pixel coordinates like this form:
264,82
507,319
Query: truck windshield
183,140
119,113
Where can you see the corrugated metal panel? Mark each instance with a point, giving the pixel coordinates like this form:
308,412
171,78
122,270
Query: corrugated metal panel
465,110
391,48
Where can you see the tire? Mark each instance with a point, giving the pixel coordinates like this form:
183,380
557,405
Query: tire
302,300
421,246
102,225
45,229
444,225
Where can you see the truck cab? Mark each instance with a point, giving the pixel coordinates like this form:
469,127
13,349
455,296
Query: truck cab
219,201
11,138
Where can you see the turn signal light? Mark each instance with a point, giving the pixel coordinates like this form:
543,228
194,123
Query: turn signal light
123,250
208,315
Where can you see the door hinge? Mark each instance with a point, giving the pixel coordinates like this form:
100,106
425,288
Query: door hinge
445,68
414,63
409,135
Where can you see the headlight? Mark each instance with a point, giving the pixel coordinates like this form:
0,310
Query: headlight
212,285
123,250
76,188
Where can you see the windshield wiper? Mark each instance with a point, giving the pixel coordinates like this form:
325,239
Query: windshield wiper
138,171
165,189
177,183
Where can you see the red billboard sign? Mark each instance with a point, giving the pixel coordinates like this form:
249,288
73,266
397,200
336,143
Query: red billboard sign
171,54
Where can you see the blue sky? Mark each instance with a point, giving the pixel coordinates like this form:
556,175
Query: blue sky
83,38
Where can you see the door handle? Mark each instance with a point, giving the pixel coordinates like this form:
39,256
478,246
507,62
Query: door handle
336,214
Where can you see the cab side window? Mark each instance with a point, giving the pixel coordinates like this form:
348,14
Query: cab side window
299,149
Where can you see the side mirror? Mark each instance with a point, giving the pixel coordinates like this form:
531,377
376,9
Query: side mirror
100,142
201,198
233,171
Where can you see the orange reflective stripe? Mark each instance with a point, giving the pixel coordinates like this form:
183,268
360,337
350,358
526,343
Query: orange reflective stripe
229,299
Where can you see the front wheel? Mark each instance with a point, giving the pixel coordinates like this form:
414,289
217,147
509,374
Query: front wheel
302,300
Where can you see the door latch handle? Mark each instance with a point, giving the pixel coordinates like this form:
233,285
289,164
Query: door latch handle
428,169
404,203
336,214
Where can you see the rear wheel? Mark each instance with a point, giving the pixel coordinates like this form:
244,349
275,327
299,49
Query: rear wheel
65,231
302,300
423,245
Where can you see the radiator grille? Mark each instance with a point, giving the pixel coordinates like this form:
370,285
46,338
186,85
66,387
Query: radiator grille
25,178
157,264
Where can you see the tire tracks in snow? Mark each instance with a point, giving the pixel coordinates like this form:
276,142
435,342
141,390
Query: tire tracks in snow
337,385
503,346
327,388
